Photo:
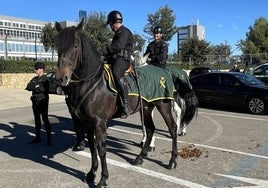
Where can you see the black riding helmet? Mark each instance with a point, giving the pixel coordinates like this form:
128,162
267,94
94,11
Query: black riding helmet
114,17
157,29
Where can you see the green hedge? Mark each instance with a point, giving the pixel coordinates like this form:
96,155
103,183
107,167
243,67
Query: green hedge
23,66
27,66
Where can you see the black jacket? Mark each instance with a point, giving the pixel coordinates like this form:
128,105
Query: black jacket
158,53
39,86
122,40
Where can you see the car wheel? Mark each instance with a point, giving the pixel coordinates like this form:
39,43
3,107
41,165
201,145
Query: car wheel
59,90
256,105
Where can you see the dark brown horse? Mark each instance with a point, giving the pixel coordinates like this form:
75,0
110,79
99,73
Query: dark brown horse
80,67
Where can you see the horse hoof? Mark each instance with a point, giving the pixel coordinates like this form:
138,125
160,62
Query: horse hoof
90,178
172,165
79,146
182,134
151,148
137,161
101,186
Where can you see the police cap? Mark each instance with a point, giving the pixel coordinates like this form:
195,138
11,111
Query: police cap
39,65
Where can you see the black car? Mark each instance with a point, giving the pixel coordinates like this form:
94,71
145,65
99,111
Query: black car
232,89
260,72
54,85
200,70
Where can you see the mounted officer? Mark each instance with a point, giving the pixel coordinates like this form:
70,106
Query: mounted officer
157,49
118,54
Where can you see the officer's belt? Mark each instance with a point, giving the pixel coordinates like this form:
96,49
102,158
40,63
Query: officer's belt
39,95
122,53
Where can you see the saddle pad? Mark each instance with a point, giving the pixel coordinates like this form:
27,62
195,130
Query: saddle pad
179,73
155,83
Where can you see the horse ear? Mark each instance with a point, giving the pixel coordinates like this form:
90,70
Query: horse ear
145,57
80,25
58,26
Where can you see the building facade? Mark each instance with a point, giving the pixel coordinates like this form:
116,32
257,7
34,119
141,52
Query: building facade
20,38
190,32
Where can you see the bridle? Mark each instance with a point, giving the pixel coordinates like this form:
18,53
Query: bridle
74,58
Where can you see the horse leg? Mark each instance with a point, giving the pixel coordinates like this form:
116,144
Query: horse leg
144,136
148,122
177,110
165,111
94,160
101,144
80,134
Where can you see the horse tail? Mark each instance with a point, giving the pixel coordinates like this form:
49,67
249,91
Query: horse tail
188,104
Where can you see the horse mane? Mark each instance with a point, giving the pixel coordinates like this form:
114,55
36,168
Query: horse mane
90,66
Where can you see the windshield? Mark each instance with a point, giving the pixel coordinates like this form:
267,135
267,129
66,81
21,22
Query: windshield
249,80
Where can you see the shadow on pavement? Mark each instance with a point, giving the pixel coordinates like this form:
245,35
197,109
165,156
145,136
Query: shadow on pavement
15,144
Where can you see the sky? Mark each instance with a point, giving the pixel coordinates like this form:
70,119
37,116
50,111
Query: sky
225,21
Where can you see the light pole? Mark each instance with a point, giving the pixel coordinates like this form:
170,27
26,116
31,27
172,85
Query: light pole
6,53
35,48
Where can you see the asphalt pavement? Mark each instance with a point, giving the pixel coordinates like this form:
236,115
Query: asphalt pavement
12,98
234,150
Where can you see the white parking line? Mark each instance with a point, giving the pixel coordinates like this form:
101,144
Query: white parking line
201,145
234,116
147,172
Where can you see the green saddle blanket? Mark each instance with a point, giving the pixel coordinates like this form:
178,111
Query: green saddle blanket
155,83
179,73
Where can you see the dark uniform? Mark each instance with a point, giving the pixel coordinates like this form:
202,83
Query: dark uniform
158,50
39,86
118,53
158,53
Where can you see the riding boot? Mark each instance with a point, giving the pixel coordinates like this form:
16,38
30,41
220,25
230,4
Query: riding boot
124,94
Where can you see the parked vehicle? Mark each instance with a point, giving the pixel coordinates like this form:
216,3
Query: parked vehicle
54,85
200,70
260,72
232,89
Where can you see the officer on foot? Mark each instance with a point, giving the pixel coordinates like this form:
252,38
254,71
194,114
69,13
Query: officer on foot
118,54
39,86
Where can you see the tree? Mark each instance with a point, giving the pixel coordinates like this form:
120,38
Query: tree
164,18
97,29
221,49
48,37
256,38
194,50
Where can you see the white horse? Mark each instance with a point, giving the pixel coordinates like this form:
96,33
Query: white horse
178,108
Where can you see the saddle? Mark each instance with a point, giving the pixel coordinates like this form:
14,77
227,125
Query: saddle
108,76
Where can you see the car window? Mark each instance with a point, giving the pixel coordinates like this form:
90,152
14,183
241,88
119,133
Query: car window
211,80
258,71
249,80
265,70
228,80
